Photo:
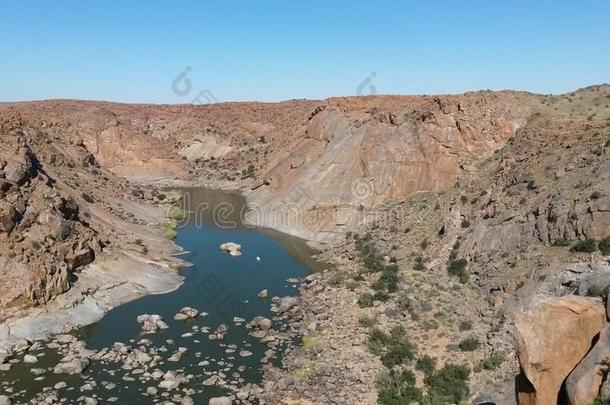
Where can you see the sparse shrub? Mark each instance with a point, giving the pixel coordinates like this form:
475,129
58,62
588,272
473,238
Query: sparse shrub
373,262
312,342
599,400
604,245
420,264
393,348
424,244
366,322
87,198
248,173
561,242
337,278
388,280
398,387
596,195
469,344
448,385
177,213
365,300
169,227
584,246
426,364
465,223
458,268
381,296
465,325
597,291
493,361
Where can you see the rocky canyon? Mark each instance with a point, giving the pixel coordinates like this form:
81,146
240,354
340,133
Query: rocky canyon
467,236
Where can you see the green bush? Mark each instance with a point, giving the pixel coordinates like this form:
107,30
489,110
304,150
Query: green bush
337,278
465,223
381,296
469,344
420,264
493,361
177,213
87,198
561,242
604,245
374,263
448,385
367,322
584,246
366,300
458,268
426,364
397,388
393,348
388,280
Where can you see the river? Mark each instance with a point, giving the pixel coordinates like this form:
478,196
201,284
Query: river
218,284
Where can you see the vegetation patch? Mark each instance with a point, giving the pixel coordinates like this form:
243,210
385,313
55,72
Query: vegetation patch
458,268
169,228
394,348
492,362
312,342
604,246
469,344
425,364
177,214
397,387
584,246
449,385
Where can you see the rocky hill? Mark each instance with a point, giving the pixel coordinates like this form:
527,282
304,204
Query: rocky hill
445,216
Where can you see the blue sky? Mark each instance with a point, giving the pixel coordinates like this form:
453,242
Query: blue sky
271,50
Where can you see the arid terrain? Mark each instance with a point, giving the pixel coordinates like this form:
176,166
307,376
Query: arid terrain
469,235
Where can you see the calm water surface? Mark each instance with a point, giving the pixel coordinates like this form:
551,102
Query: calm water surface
217,283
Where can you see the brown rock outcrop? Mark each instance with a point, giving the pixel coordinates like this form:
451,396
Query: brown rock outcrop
551,339
584,383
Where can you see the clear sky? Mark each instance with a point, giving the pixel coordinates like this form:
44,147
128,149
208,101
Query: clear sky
272,50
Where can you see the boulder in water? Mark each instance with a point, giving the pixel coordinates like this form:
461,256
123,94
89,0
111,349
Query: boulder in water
232,248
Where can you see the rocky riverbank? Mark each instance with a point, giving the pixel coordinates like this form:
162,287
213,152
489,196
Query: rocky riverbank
75,241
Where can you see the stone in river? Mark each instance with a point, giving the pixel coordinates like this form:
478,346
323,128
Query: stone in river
220,401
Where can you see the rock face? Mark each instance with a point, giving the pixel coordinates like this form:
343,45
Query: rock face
584,383
42,237
551,339
352,147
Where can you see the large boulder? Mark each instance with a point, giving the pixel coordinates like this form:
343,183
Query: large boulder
19,168
583,384
551,340
8,217
72,366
